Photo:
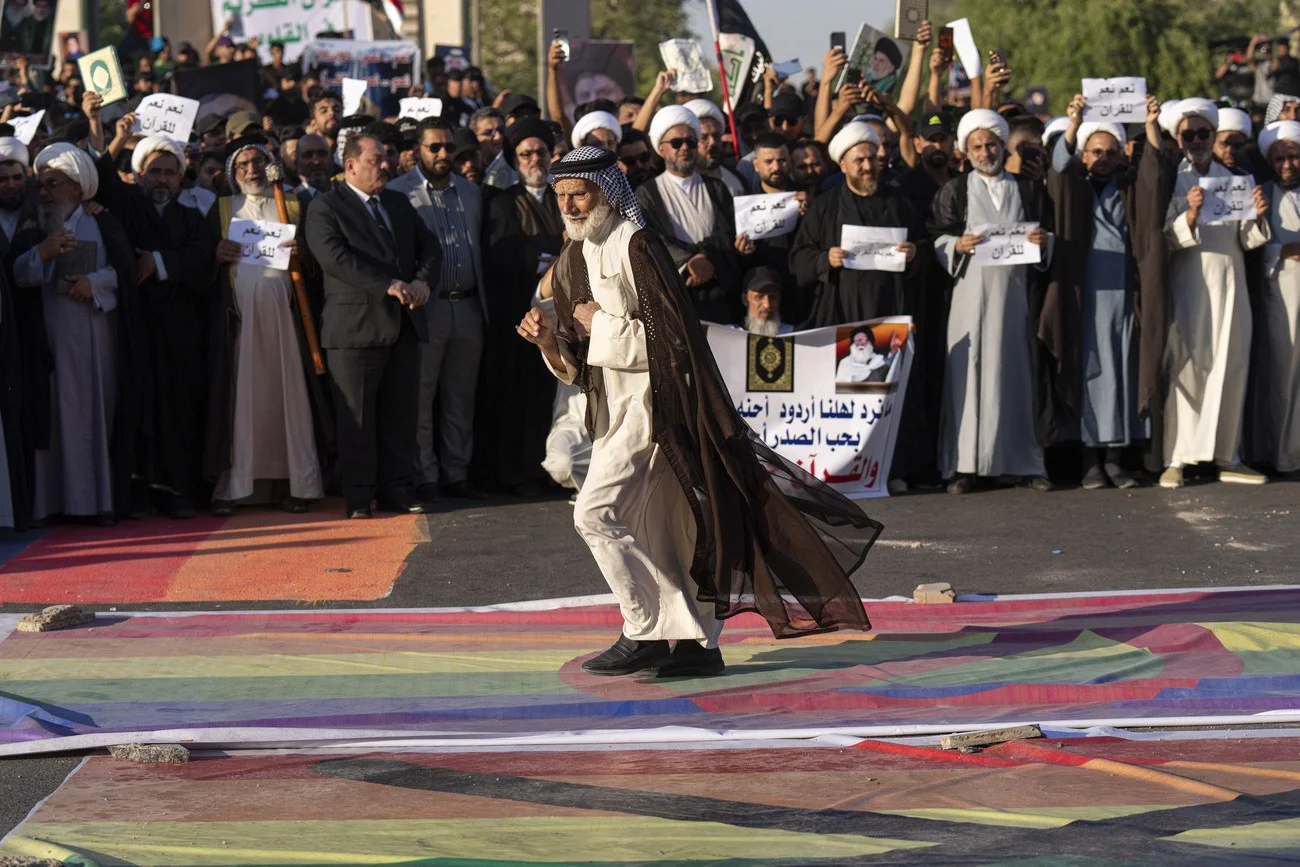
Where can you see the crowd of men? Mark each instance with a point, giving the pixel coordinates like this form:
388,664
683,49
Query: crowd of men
146,367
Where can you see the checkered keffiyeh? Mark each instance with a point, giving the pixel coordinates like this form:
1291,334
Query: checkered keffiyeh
1275,106
601,168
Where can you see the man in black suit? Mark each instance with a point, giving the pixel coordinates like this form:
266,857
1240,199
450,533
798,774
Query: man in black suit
379,259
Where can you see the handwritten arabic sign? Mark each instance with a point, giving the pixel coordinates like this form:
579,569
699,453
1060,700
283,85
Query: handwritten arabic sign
388,68
166,114
873,248
843,434
293,22
1115,100
1229,198
686,58
419,108
768,215
260,242
1006,244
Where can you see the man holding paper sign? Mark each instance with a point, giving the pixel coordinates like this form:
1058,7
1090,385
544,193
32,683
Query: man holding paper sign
988,426
1210,318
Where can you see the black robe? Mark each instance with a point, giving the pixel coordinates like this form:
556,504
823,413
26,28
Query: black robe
719,299
516,392
132,421
174,314
13,391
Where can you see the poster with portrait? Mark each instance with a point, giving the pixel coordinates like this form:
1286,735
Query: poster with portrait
881,60
598,70
73,45
27,27
828,400
389,68
452,56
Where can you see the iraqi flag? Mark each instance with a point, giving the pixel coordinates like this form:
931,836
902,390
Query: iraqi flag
733,19
393,10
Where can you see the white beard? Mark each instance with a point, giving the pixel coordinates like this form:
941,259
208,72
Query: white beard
581,230
53,217
533,179
859,364
255,191
862,354
763,327
992,168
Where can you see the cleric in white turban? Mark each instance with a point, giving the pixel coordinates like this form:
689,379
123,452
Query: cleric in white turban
706,108
597,129
672,462
672,116
1234,132
1055,127
156,144
88,313
12,150
852,135
981,118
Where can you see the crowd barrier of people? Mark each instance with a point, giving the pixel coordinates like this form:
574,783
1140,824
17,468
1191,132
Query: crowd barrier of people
148,365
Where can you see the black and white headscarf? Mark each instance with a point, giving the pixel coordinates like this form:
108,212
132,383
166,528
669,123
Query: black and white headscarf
243,143
601,168
1275,106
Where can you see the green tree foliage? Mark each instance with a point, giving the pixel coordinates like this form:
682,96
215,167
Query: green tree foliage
509,36
1055,43
112,23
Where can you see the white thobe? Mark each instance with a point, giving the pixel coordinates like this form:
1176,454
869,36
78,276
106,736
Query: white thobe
568,447
1277,421
690,210
74,475
1210,329
631,510
6,491
272,436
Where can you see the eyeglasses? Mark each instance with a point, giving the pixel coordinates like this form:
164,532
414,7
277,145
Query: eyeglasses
52,184
528,155
442,147
1098,153
784,120
1190,135
642,159
251,164
690,141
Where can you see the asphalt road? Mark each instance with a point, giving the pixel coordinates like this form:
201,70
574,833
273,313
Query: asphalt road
1004,541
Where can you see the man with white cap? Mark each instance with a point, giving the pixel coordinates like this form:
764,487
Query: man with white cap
1102,323
987,425
174,247
713,125
1233,133
597,129
1209,311
17,208
88,420
690,517
1274,421
694,215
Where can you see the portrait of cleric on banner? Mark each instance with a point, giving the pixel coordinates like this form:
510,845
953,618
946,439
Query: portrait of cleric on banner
867,356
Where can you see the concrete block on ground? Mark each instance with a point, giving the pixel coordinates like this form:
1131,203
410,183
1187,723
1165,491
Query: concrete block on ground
170,754
938,592
55,617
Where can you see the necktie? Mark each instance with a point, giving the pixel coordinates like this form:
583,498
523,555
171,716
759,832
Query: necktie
373,202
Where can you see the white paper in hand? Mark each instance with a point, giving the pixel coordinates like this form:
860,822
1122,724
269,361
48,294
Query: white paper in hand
768,215
353,90
1115,100
1006,244
686,58
259,242
963,42
166,114
1230,198
873,248
25,126
419,107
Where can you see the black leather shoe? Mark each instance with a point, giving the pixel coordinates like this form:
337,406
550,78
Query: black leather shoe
174,506
462,491
294,506
221,508
628,657
689,659
359,513
401,507
427,493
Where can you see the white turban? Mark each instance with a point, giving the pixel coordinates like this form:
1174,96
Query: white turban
1088,130
1280,130
73,162
851,136
1195,106
705,108
596,120
1055,126
1235,120
981,118
13,150
1169,116
667,118
151,145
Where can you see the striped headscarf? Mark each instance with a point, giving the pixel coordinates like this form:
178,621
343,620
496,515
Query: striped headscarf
601,168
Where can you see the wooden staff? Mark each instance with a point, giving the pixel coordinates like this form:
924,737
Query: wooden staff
274,175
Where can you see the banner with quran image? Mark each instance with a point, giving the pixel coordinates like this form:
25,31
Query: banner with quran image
828,400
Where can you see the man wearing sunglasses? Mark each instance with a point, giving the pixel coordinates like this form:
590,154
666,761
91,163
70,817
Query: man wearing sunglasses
636,158
1103,316
713,125
1209,315
457,311
694,215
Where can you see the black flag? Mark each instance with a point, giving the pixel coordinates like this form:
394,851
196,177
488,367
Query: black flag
733,19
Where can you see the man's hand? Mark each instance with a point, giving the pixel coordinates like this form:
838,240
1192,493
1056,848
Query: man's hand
79,288
292,246
770,77
849,96
896,342
744,246
1261,203
664,81
62,241
584,314
228,252
802,199
1075,113
555,57
145,267
418,292
501,98
939,61
125,123
1037,236
699,270
832,63
908,249
836,257
93,208
91,103
923,35
1153,121
966,244
536,329
1195,201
